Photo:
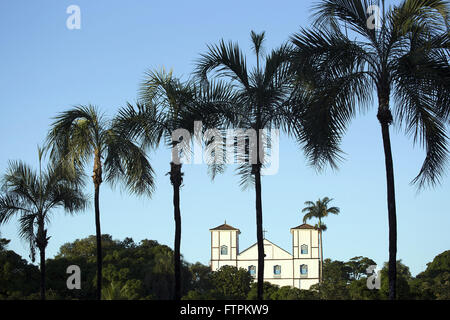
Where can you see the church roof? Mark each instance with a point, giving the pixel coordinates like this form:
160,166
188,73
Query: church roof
304,226
265,241
225,227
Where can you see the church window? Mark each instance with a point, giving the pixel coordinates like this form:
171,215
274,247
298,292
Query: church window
252,270
223,250
304,270
277,270
304,249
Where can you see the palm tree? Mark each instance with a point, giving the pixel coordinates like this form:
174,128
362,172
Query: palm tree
33,197
405,58
259,103
319,210
167,104
82,133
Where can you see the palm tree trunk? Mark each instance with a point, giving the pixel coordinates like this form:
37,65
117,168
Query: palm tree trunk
98,235
259,232
42,267
41,243
321,257
256,170
385,117
319,229
176,179
97,178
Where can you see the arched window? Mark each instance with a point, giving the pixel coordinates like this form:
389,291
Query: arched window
252,270
303,270
304,249
277,270
223,250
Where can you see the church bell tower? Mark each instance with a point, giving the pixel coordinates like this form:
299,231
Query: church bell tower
224,246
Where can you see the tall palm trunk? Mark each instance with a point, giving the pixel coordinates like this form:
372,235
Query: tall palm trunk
259,220
259,232
97,178
41,243
176,178
321,257
385,118
319,229
42,267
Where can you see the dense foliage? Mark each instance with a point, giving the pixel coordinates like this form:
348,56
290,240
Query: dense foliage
144,270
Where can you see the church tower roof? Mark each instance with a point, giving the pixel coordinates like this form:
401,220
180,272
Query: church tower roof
225,226
304,226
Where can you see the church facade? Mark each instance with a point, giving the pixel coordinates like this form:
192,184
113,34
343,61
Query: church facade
299,269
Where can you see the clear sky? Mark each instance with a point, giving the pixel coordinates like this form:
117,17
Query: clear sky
46,68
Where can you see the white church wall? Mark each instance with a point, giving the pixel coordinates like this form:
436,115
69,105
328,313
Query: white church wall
305,284
249,253
214,245
275,256
225,238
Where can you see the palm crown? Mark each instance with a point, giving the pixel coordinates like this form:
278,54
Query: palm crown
34,196
406,58
82,134
259,96
319,210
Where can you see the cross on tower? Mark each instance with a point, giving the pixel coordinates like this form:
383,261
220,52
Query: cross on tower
264,233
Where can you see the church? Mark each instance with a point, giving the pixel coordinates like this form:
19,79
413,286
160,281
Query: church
299,269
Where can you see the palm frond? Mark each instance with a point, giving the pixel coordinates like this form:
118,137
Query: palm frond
74,135
333,14
127,162
143,122
257,42
422,85
331,83
22,181
227,60
10,205
247,179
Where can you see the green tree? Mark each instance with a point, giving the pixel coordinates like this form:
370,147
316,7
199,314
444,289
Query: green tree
4,243
358,266
230,283
434,282
18,278
201,277
358,290
404,279
141,270
130,290
82,133
292,293
406,58
319,210
269,291
334,286
259,102
33,196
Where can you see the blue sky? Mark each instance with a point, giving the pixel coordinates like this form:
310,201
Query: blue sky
47,68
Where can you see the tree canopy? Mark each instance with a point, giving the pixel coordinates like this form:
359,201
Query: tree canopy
144,270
